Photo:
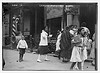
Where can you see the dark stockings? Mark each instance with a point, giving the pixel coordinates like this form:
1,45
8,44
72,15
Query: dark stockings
73,64
79,65
20,57
59,54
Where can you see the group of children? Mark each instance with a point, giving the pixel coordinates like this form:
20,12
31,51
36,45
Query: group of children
79,41
42,49
79,51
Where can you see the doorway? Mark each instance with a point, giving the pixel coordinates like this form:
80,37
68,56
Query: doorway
88,14
54,25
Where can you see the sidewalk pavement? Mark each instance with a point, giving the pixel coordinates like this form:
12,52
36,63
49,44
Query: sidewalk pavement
30,63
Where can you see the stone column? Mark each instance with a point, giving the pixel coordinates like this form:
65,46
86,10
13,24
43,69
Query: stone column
69,19
75,20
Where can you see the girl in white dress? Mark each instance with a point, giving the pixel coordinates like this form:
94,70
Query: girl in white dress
58,42
76,52
85,34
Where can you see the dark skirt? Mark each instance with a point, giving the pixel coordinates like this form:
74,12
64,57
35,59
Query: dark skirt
66,53
21,50
43,50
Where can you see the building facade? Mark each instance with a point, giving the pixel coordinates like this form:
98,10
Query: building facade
30,18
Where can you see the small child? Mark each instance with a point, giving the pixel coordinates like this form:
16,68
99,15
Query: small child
22,45
58,50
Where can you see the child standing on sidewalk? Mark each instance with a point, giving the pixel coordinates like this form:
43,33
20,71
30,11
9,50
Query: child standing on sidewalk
85,35
76,52
43,45
22,45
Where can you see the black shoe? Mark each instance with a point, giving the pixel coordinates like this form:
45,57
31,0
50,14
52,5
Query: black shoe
92,64
20,60
65,61
71,68
58,57
46,60
55,55
17,61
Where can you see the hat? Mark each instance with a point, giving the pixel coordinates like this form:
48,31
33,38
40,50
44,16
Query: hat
86,30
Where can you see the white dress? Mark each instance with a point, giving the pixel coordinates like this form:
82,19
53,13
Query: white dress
84,52
58,42
76,54
43,39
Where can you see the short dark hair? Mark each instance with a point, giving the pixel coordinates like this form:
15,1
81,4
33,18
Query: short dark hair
72,26
79,30
44,27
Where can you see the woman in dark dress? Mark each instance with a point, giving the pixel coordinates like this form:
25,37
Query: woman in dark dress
65,45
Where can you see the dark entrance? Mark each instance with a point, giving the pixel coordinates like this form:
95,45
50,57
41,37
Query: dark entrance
36,20
54,25
33,20
88,14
